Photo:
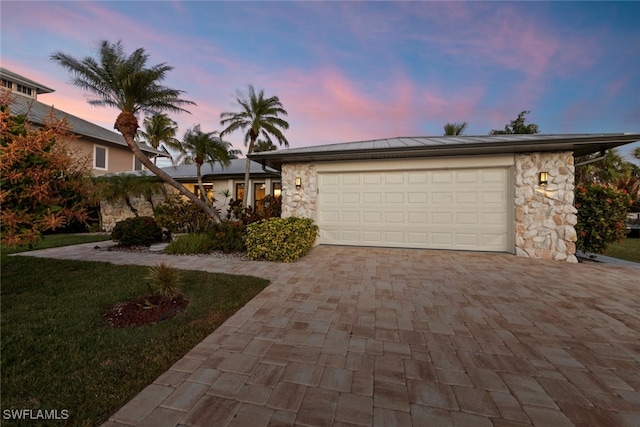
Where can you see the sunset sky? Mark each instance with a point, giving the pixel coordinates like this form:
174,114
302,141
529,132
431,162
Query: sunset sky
355,71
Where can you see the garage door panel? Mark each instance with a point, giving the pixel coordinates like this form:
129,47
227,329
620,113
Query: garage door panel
441,209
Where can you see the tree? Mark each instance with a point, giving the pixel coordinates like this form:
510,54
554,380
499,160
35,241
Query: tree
43,187
160,129
451,129
199,147
261,146
128,84
258,116
518,126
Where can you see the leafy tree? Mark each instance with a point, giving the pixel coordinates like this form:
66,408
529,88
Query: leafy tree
518,126
200,147
43,187
258,116
451,129
128,84
261,146
160,132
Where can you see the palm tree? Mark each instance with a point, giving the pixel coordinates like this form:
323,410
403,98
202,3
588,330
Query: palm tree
199,147
258,116
261,146
451,129
128,84
160,129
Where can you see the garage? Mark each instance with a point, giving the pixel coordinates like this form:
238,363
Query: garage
435,205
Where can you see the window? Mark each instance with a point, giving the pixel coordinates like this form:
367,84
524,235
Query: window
208,188
239,191
259,191
7,84
100,157
277,189
24,89
137,164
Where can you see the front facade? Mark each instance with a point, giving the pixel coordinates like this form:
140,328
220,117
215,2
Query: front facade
107,151
455,193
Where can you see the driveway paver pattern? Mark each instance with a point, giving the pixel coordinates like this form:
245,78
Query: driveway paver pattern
352,336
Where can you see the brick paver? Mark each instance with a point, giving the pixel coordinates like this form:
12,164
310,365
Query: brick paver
383,337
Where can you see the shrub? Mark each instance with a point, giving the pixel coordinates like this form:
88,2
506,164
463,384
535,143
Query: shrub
228,236
137,231
280,239
602,212
179,215
165,280
269,207
195,243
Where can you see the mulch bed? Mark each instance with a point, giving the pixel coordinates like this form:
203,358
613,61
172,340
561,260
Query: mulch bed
144,310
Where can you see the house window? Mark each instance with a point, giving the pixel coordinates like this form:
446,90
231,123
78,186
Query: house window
259,191
7,83
24,89
100,157
277,189
239,191
137,164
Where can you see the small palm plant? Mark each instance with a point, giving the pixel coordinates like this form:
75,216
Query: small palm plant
165,280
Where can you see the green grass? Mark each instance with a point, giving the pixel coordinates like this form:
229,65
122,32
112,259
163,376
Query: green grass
55,240
59,353
629,249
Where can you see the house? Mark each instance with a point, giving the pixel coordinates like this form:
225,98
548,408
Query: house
108,151
498,193
219,181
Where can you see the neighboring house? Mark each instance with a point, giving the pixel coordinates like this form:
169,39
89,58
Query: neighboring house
218,180
107,150
498,193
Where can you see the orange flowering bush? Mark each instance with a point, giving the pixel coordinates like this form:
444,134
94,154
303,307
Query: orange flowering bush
602,212
42,187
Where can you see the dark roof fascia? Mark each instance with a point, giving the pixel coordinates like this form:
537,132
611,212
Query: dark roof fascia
578,144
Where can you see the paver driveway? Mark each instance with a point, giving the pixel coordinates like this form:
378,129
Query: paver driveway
384,337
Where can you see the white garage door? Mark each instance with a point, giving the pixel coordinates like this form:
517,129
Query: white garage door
461,209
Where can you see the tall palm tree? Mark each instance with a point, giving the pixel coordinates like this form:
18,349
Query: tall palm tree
261,146
258,116
128,84
451,129
160,129
199,147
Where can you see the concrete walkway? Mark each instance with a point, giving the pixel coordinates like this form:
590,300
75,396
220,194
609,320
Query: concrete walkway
391,337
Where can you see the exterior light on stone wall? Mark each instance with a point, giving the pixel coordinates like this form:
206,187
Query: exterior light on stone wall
543,179
298,182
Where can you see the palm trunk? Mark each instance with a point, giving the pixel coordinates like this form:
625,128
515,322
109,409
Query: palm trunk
129,139
247,171
203,193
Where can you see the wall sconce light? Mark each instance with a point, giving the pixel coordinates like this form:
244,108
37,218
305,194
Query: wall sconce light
298,182
543,179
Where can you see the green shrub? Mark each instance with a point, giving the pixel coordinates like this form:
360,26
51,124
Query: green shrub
269,207
602,212
165,280
189,244
179,215
228,236
137,231
280,239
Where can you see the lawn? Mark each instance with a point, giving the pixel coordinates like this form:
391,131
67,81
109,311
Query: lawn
628,249
59,353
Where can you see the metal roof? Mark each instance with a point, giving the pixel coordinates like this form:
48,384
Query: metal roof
439,146
38,113
234,170
17,78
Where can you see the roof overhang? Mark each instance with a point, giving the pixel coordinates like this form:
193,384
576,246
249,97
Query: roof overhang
400,148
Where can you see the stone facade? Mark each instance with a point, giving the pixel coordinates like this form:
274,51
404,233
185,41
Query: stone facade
300,202
545,216
112,212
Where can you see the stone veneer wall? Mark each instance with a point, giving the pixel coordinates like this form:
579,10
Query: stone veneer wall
545,216
112,212
299,202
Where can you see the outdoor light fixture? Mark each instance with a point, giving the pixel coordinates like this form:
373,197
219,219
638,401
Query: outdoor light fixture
544,178
298,182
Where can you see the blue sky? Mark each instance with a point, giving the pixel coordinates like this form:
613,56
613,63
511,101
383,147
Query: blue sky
350,71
